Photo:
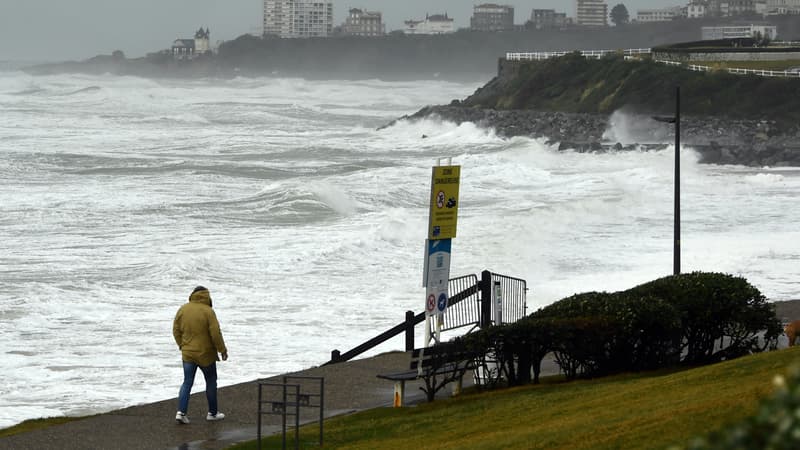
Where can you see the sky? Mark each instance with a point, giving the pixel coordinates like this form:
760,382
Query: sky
61,30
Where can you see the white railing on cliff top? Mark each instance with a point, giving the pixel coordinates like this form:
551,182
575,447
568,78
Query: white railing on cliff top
763,73
629,54
538,56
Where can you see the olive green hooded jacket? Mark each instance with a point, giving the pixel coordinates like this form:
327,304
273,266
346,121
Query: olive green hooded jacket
196,330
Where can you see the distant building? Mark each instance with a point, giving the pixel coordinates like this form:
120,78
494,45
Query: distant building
202,41
591,13
364,23
658,15
728,8
183,49
738,7
298,18
739,31
695,10
492,17
781,7
191,48
548,19
433,24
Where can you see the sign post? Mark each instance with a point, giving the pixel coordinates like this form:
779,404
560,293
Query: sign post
442,223
443,217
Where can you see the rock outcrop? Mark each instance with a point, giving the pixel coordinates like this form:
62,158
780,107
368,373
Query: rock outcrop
717,140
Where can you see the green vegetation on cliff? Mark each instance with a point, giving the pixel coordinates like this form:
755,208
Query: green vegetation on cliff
573,83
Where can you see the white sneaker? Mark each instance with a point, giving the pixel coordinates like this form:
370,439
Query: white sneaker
181,418
211,418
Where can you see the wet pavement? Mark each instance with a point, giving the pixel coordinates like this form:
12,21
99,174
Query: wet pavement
349,387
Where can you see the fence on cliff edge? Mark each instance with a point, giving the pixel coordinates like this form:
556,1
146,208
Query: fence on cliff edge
634,53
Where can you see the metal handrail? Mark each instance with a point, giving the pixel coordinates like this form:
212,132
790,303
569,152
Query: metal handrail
406,326
462,313
514,292
733,70
628,53
538,56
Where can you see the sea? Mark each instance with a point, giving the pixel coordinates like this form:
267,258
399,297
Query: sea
305,215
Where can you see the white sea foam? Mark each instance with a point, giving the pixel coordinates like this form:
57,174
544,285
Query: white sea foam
287,201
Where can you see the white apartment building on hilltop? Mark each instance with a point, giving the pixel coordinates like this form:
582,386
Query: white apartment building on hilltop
364,23
695,10
298,18
433,24
727,8
591,13
492,17
548,18
740,31
658,15
774,7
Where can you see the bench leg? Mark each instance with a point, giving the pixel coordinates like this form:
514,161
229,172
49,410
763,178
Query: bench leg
399,393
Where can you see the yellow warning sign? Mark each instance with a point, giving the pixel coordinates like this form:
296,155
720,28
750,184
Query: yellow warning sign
443,217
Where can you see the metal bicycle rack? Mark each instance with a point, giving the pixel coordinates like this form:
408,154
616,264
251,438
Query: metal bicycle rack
290,400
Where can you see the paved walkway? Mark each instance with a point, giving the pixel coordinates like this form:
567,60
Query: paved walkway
349,387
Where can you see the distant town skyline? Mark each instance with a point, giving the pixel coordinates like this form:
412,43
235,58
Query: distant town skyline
55,30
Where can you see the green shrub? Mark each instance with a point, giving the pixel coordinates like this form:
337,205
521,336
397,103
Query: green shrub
722,316
645,334
507,354
702,317
584,345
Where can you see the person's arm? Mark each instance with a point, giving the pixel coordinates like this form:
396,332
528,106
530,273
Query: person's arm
216,336
177,333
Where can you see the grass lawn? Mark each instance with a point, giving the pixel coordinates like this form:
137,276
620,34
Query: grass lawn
35,424
630,411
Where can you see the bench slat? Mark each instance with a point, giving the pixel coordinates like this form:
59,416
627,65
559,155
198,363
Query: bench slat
430,358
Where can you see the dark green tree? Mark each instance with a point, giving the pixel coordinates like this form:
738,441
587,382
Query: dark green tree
619,15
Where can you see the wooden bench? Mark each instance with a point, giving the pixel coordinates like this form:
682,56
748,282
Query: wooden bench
437,366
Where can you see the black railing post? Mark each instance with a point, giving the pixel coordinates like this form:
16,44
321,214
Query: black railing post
409,331
485,287
676,250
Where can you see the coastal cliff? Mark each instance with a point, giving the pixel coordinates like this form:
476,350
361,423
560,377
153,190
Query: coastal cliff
608,104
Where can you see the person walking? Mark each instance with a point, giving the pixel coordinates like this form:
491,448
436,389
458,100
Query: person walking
197,333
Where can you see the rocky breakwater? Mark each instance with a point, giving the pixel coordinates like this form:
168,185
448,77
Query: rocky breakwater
717,140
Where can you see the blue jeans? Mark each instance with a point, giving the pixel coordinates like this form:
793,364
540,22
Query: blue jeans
210,373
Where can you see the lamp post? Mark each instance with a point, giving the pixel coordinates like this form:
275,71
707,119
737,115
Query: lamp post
676,248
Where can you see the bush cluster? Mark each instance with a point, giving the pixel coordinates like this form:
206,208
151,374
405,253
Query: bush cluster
694,318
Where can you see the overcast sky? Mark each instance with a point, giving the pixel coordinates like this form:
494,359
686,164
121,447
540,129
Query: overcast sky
57,30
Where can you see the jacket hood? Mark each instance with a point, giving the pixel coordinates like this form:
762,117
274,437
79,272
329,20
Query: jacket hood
201,296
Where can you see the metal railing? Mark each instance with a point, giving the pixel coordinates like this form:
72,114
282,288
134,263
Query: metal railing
629,54
513,304
464,308
597,54
287,404
470,306
763,73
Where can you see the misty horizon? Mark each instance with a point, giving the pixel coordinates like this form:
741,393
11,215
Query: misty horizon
49,30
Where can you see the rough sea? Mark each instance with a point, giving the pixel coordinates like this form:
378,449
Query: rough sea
307,222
